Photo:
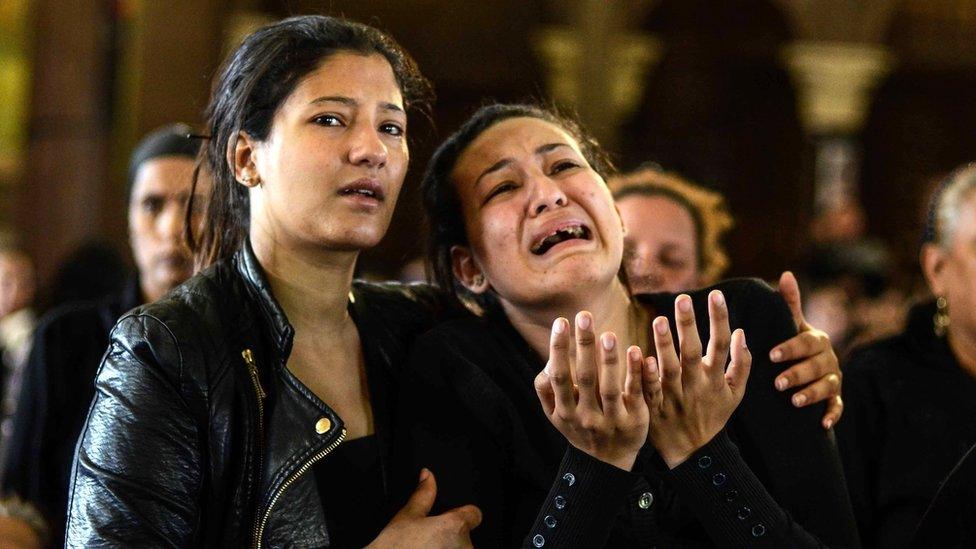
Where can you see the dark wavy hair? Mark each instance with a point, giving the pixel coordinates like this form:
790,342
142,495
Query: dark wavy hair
251,86
440,198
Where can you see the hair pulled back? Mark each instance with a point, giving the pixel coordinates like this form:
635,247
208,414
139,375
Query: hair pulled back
946,205
251,86
440,197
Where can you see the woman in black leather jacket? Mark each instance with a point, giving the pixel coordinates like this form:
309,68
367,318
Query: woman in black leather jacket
209,426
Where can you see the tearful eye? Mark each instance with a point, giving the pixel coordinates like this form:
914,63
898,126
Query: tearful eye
327,120
392,129
563,166
504,187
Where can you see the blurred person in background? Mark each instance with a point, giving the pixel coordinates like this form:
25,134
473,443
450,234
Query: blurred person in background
94,270
71,339
21,526
673,242
912,397
17,322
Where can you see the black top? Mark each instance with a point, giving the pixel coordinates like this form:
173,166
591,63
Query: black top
352,492
59,382
950,521
468,412
200,436
909,417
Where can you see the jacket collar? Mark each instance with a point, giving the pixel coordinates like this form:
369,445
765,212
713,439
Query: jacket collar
274,316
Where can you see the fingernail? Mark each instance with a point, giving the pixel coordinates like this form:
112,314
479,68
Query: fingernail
558,326
782,384
799,399
635,353
424,475
718,298
652,364
744,344
583,321
775,355
829,423
684,303
608,340
546,369
661,326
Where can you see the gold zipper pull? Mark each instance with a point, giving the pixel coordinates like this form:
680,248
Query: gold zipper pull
253,368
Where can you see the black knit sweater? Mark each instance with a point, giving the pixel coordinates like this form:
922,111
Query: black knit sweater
909,418
468,412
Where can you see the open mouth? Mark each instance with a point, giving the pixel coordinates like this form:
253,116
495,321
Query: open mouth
560,235
366,188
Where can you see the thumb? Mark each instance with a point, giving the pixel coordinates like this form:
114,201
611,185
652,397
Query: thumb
790,290
469,515
423,497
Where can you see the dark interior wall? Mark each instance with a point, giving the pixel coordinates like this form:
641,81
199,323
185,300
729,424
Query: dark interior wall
66,175
720,108
922,124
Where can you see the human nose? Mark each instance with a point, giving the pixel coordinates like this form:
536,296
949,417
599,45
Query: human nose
648,272
546,195
366,148
170,222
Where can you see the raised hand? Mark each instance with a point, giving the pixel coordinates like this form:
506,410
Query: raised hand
692,397
818,372
605,414
411,527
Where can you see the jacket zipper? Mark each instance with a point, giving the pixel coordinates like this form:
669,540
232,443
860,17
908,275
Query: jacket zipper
284,486
252,369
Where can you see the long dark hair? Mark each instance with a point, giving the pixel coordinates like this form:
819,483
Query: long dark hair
441,203
252,84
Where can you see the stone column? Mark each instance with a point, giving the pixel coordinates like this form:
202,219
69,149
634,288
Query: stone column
834,82
597,68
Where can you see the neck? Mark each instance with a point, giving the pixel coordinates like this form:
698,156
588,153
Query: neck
610,307
150,292
963,347
311,285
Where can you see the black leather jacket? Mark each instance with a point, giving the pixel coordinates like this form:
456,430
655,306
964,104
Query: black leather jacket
199,436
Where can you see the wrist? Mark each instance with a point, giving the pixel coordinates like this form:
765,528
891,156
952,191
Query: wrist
674,453
621,460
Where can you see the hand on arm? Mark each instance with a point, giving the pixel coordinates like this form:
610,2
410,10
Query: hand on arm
691,397
412,527
605,416
818,370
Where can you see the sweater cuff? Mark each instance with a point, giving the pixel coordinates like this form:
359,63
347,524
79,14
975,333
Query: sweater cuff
730,502
582,504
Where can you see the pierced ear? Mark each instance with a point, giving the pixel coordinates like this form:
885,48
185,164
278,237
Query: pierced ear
241,155
932,259
467,271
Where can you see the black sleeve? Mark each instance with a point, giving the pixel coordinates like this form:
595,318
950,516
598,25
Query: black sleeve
787,450
860,439
452,421
138,474
732,503
581,506
948,522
